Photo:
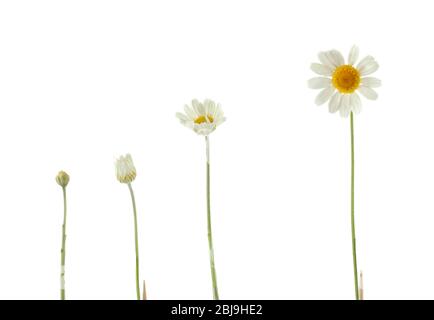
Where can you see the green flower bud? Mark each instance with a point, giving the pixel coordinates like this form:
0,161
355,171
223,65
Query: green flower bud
62,179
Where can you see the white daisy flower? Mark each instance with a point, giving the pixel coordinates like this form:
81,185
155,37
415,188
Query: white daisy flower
202,118
341,81
125,170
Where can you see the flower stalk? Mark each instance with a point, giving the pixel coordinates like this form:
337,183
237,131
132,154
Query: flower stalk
210,241
353,224
145,297
136,240
62,180
126,174
62,252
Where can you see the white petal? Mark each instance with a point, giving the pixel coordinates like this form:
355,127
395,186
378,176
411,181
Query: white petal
319,83
336,57
322,56
353,56
211,107
324,95
182,116
369,93
205,107
198,107
335,102
365,61
204,128
219,121
195,105
369,68
190,113
371,82
344,109
218,111
356,103
212,110
321,69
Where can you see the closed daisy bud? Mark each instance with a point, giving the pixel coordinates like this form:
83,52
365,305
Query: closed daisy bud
62,179
126,173
125,170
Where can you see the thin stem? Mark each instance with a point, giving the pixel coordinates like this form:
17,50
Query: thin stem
144,290
353,227
136,240
361,290
62,251
210,242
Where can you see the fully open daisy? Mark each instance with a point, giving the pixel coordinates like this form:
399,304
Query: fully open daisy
340,82
202,118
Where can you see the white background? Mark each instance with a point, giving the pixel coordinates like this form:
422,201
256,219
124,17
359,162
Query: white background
84,81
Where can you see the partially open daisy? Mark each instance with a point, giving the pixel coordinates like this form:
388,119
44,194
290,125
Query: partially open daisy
126,173
341,81
202,118
125,170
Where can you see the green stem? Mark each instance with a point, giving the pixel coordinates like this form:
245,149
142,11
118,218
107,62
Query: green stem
62,251
136,240
210,242
353,227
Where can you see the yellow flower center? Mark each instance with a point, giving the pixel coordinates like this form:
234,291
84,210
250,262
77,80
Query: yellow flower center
346,79
202,119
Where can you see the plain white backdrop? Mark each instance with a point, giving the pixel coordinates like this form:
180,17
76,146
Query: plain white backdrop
84,81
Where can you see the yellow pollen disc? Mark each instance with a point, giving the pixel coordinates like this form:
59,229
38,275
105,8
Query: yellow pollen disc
346,79
202,119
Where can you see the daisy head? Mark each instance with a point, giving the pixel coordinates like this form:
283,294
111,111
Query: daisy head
341,82
125,170
62,179
202,118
